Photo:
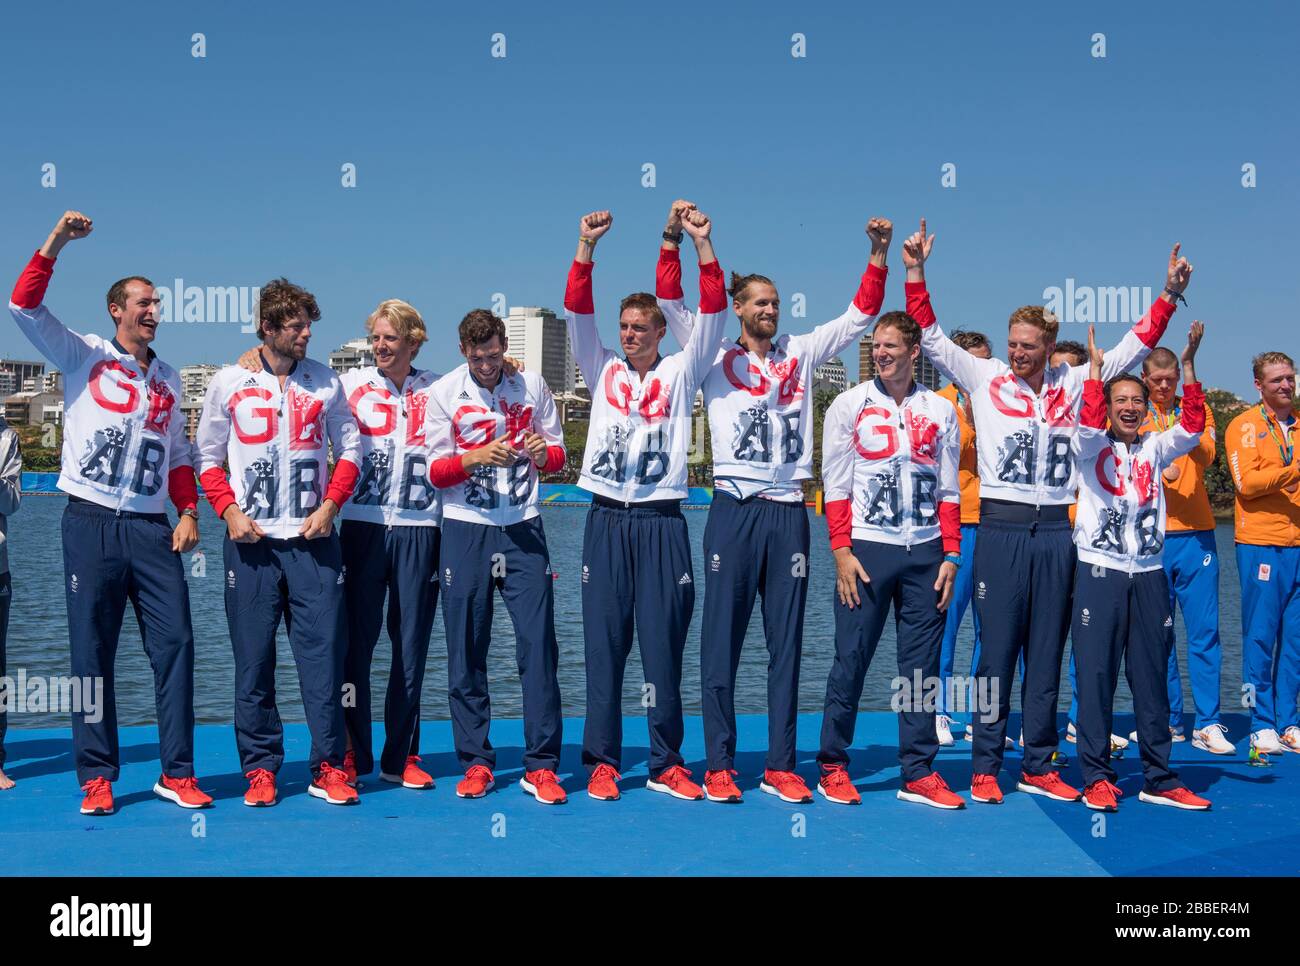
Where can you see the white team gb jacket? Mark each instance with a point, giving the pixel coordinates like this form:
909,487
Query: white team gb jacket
394,487
462,416
276,442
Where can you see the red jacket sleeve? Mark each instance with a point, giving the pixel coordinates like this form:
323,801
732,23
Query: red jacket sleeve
839,520
668,275
950,526
342,482
1193,416
918,304
555,457
1093,411
182,488
1152,325
871,290
446,472
29,290
577,293
713,289
217,489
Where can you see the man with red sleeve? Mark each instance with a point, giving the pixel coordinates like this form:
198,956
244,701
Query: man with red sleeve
123,438
282,555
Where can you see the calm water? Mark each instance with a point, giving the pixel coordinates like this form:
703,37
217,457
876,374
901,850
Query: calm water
38,632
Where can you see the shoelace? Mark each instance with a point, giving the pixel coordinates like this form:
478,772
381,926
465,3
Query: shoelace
330,775
835,778
545,777
479,771
933,782
413,760
260,777
786,778
718,779
674,775
97,786
188,784
607,772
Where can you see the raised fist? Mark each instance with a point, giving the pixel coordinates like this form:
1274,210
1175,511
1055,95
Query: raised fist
697,224
675,213
73,225
880,231
595,224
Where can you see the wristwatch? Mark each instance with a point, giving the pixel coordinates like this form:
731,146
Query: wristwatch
675,239
952,558
190,511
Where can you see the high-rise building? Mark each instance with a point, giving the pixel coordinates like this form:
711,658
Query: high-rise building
540,340
53,382
195,379
352,355
15,374
192,410
923,372
831,375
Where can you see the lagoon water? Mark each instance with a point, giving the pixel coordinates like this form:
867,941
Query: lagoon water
38,633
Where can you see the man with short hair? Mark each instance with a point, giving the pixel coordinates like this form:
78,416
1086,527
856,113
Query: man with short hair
1026,415
1262,457
757,539
1191,558
636,554
282,556
123,440
492,431
1069,353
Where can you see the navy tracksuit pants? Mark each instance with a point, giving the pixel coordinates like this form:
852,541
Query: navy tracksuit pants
476,560
6,590
1122,615
636,563
401,561
108,559
1024,574
904,579
752,546
300,580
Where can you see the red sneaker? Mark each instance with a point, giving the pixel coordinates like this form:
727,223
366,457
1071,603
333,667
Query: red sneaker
183,791
603,784
543,786
930,790
785,785
412,776
718,786
99,797
985,789
676,781
261,789
1049,785
478,781
836,786
1102,796
332,785
350,767
1176,797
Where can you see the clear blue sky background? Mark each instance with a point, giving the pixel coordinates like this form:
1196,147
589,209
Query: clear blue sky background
473,171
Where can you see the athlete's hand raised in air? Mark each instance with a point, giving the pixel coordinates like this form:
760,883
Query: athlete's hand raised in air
943,586
239,527
881,232
1178,274
1194,335
675,213
917,249
594,225
1095,355
697,224
70,226
848,571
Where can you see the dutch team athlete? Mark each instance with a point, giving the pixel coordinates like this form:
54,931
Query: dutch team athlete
1262,457
756,539
890,451
1025,418
1191,559
492,431
124,453
273,429
968,480
636,555
1122,606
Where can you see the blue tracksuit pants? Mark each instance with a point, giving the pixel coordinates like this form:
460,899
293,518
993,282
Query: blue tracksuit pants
1192,565
1270,633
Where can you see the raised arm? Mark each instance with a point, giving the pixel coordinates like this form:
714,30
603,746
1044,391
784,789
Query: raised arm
579,305
956,364
831,338
668,276
701,346
1146,335
64,348
1185,437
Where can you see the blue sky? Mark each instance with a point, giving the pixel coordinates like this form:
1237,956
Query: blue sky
472,171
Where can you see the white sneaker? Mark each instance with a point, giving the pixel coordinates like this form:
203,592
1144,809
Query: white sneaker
970,736
1072,736
1212,738
1266,742
1117,743
943,726
1133,736
1291,739
1176,735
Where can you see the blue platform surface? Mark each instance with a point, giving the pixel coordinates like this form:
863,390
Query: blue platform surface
1252,829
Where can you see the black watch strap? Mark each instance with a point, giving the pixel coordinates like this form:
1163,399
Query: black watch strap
675,239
